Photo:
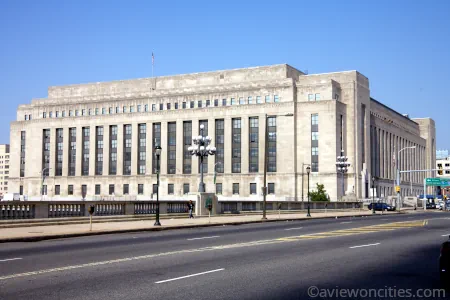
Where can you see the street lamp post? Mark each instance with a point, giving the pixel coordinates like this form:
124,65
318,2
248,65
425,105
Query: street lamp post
308,170
158,154
373,196
266,150
398,173
201,148
342,167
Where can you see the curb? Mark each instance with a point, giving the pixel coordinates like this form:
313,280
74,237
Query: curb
236,223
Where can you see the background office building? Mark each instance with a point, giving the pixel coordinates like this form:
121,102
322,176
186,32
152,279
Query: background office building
97,140
4,169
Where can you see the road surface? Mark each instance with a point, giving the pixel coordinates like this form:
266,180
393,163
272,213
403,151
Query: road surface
256,261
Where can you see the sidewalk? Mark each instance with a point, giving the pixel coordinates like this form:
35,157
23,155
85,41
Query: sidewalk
37,233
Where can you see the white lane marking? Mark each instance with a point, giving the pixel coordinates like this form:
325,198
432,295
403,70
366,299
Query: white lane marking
346,222
9,259
192,275
368,245
383,219
202,238
294,228
446,234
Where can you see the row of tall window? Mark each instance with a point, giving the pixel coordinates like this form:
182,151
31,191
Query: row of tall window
170,148
314,143
159,107
170,189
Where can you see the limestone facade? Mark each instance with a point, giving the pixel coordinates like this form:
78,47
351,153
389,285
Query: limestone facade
331,112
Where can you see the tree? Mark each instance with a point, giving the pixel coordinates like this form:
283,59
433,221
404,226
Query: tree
320,194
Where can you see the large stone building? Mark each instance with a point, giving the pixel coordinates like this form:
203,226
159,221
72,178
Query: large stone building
4,169
97,139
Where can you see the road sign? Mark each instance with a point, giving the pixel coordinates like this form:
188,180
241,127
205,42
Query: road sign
397,188
438,181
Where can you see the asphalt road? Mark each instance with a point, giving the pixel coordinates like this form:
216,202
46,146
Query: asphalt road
256,261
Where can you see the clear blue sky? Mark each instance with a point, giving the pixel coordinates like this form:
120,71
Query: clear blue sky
403,47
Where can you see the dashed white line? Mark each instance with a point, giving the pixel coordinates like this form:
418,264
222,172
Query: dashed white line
10,259
294,228
448,234
346,222
192,275
368,245
383,219
202,238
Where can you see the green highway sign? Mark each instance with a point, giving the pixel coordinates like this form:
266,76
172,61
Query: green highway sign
438,181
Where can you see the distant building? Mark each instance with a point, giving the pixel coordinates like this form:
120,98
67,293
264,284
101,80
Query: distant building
444,166
4,169
441,154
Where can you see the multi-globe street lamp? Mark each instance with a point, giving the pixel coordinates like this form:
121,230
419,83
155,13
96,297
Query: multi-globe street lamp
201,148
342,165
158,150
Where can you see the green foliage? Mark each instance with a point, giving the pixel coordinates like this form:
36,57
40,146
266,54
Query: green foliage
319,194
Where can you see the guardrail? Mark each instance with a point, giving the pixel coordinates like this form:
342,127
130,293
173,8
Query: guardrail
60,209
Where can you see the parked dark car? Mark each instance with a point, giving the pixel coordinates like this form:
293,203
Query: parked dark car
444,263
382,206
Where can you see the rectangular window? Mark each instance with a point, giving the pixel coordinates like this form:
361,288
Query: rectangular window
127,149
72,151
153,107
203,133
22,153
70,189
208,103
77,112
85,152
236,146
110,110
112,150
184,105
199,103
99,150
253,145
187,141
170,189
216,102
271,188
142,148
126,189
161,106
156,142
46,151
314,143
155,189
57,114
176,105
276,98
103,111
250,100
191,104
317,97
241,101
218,188
186,188
171,147
310,97
146,107
235,188
139,108
267,99
224,102
220,149
59,152
252,188
97,111
111,189
124,109
168,106
97,189
57,190
272,144
117,110
233,101
258,100
140,189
